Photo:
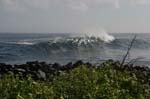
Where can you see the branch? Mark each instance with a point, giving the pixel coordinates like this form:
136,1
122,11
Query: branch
129,48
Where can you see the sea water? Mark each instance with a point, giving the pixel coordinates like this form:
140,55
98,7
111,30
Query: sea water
18,48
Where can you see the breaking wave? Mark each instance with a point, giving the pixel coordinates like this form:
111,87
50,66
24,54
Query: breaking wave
103,36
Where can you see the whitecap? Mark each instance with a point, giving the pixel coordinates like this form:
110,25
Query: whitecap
25,43
102,36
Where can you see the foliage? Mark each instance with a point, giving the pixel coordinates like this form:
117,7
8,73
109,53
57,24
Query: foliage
83,82
14,88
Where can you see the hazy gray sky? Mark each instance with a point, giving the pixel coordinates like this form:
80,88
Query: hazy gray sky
74,15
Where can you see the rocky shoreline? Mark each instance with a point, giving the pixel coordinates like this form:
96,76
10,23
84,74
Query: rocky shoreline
45,71
38,70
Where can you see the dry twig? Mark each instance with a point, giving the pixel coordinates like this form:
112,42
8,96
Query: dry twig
128,51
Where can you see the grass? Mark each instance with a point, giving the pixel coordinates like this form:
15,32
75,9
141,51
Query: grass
83,82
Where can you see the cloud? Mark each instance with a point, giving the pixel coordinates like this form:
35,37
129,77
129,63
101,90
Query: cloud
78,5
20,5
87,4
82,5
140,2
7,4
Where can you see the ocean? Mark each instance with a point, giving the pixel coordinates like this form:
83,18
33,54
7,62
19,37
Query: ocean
18,48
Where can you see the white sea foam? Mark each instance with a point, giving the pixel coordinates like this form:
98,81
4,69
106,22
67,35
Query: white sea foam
102,35
25,43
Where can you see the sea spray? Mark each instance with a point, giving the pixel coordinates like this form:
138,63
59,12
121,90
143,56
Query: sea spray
98,32
104,36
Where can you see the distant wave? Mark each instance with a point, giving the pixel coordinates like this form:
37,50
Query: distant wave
19,43
25,43
77,41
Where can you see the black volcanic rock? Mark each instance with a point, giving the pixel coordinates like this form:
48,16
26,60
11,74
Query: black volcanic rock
44,71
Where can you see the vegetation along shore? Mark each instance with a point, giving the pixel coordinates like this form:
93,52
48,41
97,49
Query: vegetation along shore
109,80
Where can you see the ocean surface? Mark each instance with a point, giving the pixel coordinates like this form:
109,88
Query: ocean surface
18,48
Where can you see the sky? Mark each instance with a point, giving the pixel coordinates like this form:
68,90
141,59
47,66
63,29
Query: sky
75,16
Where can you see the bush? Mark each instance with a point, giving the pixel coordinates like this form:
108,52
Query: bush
104,83
83,82
12,87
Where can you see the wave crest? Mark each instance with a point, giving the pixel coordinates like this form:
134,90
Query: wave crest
103,36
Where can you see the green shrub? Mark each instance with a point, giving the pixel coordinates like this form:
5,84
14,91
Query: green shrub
103,83
14,88
80,83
